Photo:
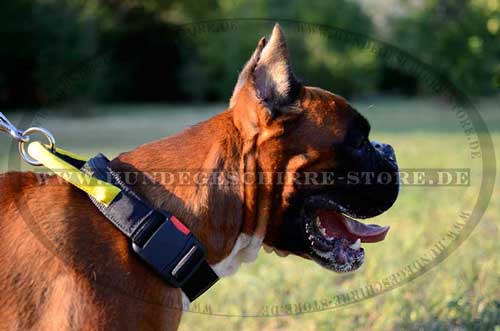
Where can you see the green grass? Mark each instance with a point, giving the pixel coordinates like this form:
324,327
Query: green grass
461,293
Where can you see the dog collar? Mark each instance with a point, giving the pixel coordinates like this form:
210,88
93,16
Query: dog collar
162,241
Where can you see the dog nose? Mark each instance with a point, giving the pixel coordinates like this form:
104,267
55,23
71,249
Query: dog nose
385,149
378,146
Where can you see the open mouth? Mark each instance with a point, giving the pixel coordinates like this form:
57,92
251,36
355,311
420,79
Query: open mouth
334,238
324,224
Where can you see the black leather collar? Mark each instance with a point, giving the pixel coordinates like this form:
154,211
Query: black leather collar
162,241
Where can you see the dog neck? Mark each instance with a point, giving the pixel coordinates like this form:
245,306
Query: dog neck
172,174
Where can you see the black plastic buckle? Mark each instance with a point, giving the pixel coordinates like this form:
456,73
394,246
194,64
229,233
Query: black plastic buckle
172,253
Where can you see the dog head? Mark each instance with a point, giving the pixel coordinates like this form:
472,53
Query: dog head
319,168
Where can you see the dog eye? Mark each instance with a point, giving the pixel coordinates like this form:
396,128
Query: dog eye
360,142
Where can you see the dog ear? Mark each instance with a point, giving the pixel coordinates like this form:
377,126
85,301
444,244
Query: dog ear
269,74
274,81
246,75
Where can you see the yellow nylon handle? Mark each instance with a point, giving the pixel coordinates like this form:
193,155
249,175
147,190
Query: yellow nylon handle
103,192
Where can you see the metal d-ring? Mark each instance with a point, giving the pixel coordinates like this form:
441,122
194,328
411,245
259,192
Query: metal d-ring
27,134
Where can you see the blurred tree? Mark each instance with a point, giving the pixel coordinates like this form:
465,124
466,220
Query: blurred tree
460,38
66,40
148,50
44,43
17,63
143,58
330,63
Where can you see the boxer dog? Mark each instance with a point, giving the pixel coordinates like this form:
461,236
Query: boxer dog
63,266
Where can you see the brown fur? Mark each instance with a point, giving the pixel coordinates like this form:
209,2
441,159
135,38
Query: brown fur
64,267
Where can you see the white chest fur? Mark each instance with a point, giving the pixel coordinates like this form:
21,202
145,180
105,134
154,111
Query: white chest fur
245,250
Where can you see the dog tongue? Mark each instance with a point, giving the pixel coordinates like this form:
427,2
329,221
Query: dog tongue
338,225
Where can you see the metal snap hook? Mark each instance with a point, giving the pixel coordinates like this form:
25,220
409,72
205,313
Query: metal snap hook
9,128
24,138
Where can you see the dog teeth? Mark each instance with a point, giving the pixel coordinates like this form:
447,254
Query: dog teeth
356,245
270,249
323,232
321,229
280,253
